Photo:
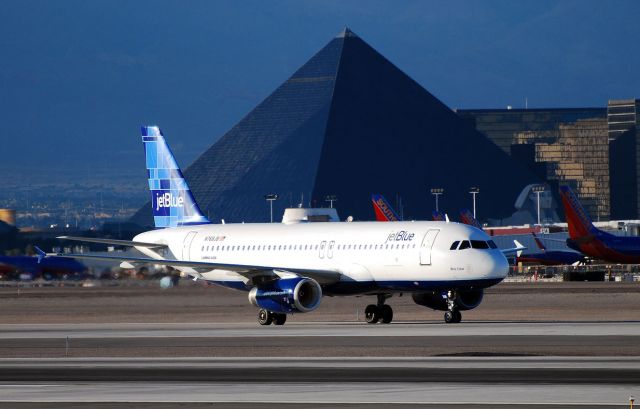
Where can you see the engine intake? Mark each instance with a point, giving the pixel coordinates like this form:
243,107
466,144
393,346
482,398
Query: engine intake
465,300
288,295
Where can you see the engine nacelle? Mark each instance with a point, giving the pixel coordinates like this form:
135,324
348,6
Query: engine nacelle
288,295
465,300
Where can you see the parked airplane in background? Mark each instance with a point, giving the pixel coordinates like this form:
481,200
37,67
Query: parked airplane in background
466,217
595,243
550,257
288,268
31,267
439,216
382,208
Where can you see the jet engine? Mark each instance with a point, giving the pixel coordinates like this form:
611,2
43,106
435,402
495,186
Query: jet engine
437,300
300,294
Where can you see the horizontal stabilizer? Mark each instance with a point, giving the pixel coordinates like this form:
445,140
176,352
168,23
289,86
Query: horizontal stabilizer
127,243
517,249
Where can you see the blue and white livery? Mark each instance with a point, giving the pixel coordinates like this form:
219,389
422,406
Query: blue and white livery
171,200
289,268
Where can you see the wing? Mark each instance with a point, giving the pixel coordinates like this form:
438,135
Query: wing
246,270
114,242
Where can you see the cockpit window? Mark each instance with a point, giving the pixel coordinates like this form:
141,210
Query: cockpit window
492,244
479,244
465,245
454,245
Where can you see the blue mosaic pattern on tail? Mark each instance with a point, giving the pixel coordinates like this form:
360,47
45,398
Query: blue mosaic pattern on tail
171,200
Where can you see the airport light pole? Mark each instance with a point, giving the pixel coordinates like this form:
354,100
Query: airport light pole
271,198
437,191
474,191
331,199
537,190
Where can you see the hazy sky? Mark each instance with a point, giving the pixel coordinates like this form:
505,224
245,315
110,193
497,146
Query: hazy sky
78,78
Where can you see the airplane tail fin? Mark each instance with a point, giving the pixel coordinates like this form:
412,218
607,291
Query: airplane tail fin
439,216
539,243
384,211
467,218
579,223
171,199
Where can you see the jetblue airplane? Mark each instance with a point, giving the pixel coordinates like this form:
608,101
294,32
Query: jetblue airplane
289,268
595,243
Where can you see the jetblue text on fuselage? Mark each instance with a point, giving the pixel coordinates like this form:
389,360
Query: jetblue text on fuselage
167,199
402,235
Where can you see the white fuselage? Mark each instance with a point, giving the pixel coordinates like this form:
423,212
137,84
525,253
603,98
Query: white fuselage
370,256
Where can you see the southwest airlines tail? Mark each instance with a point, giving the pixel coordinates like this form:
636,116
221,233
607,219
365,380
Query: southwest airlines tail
467,218
172,202
579,223
384,211
438,216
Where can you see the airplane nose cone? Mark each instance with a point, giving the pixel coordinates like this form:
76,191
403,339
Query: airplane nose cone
501,265
495,265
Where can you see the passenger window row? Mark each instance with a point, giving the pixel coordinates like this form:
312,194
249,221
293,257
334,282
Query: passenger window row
302,247
475,244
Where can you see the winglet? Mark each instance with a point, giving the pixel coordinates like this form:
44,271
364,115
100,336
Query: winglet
519,247
41,254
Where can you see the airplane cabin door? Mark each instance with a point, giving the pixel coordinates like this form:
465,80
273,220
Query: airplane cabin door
323,246
425,247
186,245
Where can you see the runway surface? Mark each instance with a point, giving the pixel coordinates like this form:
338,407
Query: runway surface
527,346
269,382
321,339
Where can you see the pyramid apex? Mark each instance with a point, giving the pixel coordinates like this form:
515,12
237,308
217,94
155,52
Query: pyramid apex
346,32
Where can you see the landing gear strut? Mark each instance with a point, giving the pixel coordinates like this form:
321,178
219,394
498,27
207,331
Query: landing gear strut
379,312
453,315
266,317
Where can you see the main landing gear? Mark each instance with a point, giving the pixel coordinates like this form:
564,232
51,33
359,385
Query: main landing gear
379,312
266,317
453,315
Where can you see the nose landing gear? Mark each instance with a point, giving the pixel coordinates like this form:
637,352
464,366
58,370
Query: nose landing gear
453,315
379,312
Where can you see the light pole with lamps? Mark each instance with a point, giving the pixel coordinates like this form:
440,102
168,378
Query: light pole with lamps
271,198
537,190
474,191
437,191
331,199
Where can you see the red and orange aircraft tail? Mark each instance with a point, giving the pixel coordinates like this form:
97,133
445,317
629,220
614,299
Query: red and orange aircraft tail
579,223
384,211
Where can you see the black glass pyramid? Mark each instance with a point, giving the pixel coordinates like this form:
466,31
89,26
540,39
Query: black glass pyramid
349,123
